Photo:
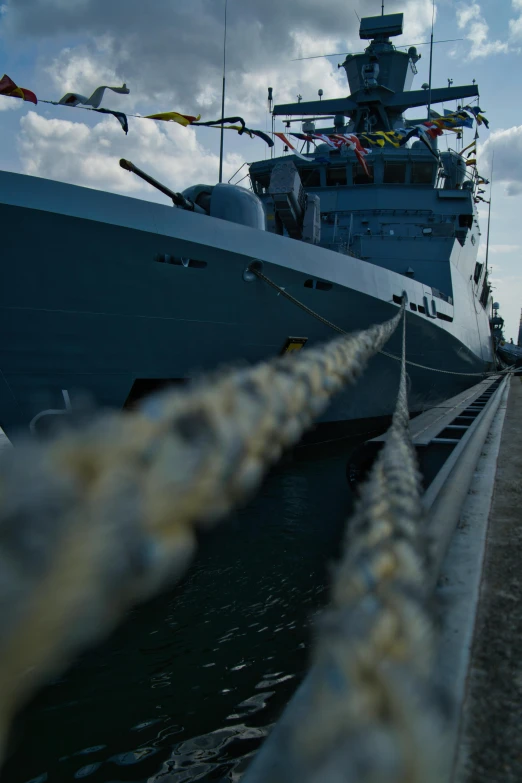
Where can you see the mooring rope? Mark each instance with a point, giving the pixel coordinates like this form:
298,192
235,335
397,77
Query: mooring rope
370,712
283,292
106,515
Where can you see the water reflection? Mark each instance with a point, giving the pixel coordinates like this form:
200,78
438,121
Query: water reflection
190,685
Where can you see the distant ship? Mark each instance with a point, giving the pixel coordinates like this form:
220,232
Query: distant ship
114,297
509,353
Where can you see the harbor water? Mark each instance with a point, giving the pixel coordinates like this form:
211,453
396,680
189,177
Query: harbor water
187,688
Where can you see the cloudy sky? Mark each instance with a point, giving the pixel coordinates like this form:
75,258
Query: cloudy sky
169,53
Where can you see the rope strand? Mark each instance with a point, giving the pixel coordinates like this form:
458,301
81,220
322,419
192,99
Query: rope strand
371,713
105,516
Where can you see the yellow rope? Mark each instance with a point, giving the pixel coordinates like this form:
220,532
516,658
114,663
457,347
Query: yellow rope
106,516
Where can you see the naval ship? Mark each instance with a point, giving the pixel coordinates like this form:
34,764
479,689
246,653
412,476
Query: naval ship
112,297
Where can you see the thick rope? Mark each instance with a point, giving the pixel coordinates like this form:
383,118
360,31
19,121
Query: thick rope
371,714
338,329
105,516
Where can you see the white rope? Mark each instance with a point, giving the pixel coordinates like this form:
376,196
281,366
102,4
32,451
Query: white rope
106,515
369,712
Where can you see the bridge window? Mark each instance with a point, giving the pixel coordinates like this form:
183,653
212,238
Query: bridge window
444,317
466,221
478,272
336,176
360,177
394,173
311,178
422,173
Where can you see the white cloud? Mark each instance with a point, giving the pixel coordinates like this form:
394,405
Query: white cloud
506,146
515,25
74,152
76,68
417,19
135,42
9,104
503,248
473,23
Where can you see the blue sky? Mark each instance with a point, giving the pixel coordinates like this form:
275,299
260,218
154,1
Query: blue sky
169,54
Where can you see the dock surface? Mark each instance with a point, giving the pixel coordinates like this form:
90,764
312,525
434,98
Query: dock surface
490,747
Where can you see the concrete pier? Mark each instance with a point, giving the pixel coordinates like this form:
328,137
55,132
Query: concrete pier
484,574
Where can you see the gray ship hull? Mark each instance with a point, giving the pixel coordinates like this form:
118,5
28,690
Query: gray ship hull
86,307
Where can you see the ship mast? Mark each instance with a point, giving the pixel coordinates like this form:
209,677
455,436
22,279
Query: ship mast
431,59
223,96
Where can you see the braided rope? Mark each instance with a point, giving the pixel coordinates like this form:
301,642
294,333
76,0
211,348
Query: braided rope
338,329
371,714
105,516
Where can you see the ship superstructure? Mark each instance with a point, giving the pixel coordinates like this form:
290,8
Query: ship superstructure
135,295
414,211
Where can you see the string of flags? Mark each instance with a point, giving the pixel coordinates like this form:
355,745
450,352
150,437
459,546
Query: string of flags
361,144
92,103
333,140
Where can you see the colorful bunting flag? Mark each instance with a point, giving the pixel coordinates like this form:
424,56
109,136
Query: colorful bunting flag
222,121
174,116
9,88
473,144
241,128
120,116
74,99
360,144
334,140
479,115
289,144
390,137
262,136
458,119
424,133
302,137
372,139
353,143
